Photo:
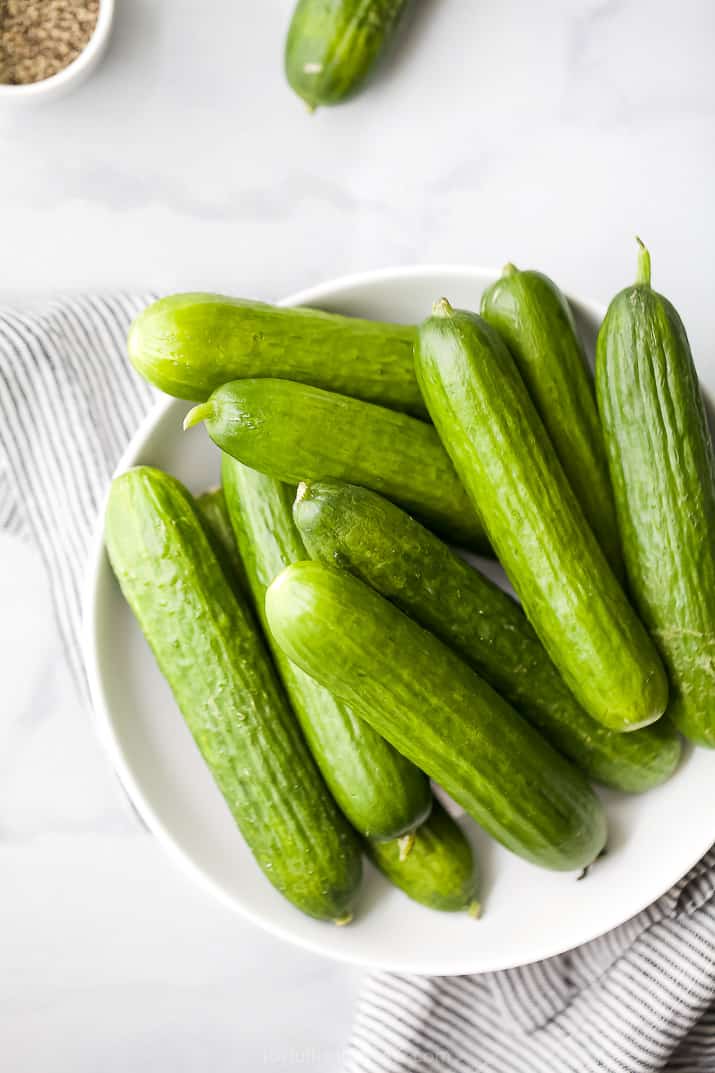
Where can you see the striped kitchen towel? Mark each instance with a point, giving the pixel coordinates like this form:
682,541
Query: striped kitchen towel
639,999
69,403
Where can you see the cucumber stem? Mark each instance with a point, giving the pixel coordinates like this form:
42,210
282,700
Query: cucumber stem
343,920
474,909
199,413
442,308
643,274
509,269
406,843
302,491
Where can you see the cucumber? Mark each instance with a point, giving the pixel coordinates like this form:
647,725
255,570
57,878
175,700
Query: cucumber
535,321
189,344
437,711
500,448
382,794
661,459
362,532
213,512
291,432
211,654
440,871
333,45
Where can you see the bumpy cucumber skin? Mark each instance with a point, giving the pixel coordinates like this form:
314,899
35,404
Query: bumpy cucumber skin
440,871
213,512
211,654
661,458
535,321
500,448
189,344
435,710
381,793
293,432
333,45
360,531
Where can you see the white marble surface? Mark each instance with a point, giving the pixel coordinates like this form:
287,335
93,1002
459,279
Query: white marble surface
547,134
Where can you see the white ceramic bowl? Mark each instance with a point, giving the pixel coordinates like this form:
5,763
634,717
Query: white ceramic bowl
529,913
71,76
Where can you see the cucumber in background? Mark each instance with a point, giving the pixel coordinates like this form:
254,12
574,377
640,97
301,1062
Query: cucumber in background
213,512
292,432
437,711
381,793
440,871
333,45
360,531
187,345
535,321
663,471
212,655
502,452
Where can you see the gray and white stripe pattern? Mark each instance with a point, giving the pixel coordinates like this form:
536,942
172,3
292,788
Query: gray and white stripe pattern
69,403
639,999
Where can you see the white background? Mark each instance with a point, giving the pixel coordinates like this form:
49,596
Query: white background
547,134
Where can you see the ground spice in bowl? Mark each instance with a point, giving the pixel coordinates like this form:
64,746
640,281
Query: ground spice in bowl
38,38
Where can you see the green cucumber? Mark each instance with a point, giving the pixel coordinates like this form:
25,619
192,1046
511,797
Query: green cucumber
535,321
333,45
440,871
382,794
213,512
211,654
292,432
360,531
501,450
189,344
661,458
437,711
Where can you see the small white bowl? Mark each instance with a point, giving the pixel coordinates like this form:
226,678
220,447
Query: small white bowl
530,913
72,75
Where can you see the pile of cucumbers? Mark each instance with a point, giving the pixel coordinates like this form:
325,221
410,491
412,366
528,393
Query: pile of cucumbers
332,653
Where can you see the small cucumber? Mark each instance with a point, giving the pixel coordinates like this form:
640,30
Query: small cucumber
500,448
440,871
663,471
362,532
294,432
333,45
535,321
435,710
211,654
189,344
213,512
382,794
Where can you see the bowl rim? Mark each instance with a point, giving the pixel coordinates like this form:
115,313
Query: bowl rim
102,719
74,70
